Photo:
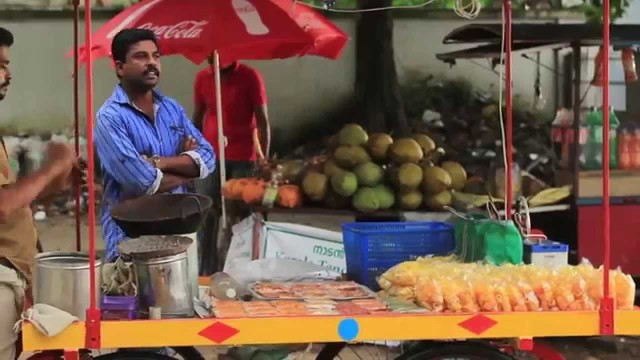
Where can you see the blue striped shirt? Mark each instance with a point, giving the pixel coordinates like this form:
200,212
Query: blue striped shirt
123,134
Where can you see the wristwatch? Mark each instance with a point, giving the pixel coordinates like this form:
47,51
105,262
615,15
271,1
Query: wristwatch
155,160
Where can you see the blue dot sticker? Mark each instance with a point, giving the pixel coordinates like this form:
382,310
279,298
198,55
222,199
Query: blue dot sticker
348,329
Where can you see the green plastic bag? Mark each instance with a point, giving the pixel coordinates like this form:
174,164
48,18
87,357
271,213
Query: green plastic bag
480,238
467,237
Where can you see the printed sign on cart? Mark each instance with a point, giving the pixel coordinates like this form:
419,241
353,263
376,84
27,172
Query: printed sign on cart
304,243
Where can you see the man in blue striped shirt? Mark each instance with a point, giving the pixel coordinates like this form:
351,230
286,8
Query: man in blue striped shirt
144,140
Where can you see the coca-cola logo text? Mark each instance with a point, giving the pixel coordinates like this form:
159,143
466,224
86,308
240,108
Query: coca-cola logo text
181,30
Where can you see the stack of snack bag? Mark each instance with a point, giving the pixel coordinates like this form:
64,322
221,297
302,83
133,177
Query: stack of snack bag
401,280
441,284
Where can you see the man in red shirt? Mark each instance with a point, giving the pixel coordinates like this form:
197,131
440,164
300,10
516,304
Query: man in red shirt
248,136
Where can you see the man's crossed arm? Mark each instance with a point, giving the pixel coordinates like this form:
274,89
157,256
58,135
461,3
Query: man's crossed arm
136,174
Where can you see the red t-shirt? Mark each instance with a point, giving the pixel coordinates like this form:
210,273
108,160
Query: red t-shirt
242,90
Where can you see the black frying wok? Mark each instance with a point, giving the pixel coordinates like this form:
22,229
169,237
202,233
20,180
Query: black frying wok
162,214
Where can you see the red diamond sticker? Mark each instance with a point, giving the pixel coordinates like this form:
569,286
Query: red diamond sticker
218,332
478,324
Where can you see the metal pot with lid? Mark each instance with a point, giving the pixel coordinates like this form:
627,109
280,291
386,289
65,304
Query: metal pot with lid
164,267
163,283
61,279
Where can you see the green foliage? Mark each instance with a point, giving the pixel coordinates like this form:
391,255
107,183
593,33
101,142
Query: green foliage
353,4
437,4
593,12
446,96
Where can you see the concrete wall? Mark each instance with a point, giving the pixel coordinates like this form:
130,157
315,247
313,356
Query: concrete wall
300,90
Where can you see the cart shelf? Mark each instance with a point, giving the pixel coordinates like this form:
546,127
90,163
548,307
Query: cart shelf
321,329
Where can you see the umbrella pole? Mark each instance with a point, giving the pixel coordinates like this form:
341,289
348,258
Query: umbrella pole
76,117
221,137
92,339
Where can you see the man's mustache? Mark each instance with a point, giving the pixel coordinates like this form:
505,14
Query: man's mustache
5,84
150,70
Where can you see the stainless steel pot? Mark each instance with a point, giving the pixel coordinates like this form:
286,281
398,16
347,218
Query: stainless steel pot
192,263
164,283
61,279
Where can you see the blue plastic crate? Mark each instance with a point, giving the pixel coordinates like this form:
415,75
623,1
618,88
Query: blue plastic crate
371,248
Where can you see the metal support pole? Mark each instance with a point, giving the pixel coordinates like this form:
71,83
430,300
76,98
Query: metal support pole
509,107
76,117
93,313
607,304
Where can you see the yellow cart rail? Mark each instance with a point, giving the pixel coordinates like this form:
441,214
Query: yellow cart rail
316,329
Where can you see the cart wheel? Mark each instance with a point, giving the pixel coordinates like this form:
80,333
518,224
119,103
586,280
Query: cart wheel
330,351
188,352
185,352
133,355
459,351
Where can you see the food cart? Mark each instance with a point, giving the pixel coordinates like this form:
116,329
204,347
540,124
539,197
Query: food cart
95,333
586,209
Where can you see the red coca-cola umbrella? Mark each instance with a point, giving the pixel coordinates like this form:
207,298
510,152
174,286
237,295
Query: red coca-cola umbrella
236,29
328,40
230,29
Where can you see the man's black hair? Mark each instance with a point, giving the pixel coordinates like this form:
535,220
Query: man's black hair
126,38
6,37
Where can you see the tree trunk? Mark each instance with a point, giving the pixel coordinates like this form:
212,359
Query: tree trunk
379,101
